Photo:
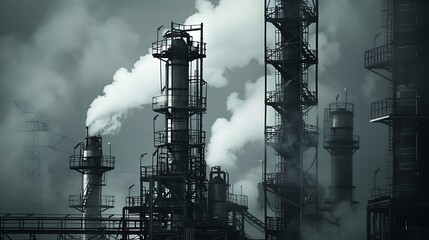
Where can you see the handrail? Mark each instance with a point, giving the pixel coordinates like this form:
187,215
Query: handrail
67,224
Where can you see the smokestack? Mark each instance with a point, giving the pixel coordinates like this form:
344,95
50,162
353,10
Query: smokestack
90,162
340,142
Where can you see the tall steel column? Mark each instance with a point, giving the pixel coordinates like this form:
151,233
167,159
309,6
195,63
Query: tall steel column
400,211
91,163
340,142
177,181
287,100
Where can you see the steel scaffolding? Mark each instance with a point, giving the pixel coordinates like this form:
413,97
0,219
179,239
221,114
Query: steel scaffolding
288,98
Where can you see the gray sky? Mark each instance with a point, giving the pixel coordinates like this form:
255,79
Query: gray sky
60,55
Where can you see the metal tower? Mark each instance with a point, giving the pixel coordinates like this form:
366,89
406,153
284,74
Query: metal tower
288,98
177,176
31,167
340,142
92,164
399,211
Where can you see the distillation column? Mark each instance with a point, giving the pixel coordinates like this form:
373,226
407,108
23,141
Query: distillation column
91,163
341,144
402,211
178,181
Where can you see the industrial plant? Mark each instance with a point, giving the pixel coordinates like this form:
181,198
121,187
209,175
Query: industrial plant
181,196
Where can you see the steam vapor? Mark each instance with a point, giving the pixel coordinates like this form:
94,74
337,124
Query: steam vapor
246,125
129,90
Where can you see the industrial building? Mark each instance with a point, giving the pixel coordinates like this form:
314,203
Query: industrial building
181,197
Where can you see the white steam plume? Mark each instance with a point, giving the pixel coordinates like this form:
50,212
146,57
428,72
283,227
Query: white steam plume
233,31
246,125
231,37
128,90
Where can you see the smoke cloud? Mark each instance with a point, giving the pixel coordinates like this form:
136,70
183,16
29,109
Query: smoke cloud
129,90
351,224
245,126
231,34
233,37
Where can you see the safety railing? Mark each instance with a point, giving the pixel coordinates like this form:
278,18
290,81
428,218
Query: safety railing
238,199
279,12
274,96
275,178
147,171
178,101
77,201
378,57
341,141
191,137
381,192
381,108
274,134
67,224
159,169
135,201
274,224
195,49
343,106
398,107
79,162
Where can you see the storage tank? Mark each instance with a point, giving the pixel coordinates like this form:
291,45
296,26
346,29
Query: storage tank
91,183
218,196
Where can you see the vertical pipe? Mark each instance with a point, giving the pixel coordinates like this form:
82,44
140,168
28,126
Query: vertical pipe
91,183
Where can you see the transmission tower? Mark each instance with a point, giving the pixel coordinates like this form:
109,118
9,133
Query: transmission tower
31,163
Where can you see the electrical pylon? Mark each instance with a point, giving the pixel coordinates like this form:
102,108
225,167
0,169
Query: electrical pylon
31,162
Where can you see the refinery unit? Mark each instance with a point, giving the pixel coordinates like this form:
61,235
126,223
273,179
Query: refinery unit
181,197
398,211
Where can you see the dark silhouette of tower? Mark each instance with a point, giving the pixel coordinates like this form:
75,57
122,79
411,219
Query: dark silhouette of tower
399,210
288,98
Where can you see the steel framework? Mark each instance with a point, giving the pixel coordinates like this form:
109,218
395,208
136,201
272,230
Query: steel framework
288,98
31,166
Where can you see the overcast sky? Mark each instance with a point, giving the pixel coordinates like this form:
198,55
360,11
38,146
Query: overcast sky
59,55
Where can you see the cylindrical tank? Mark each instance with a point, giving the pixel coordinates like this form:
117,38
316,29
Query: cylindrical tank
339,141
406,77
178,94
217,197
291,155
177,123
91,184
